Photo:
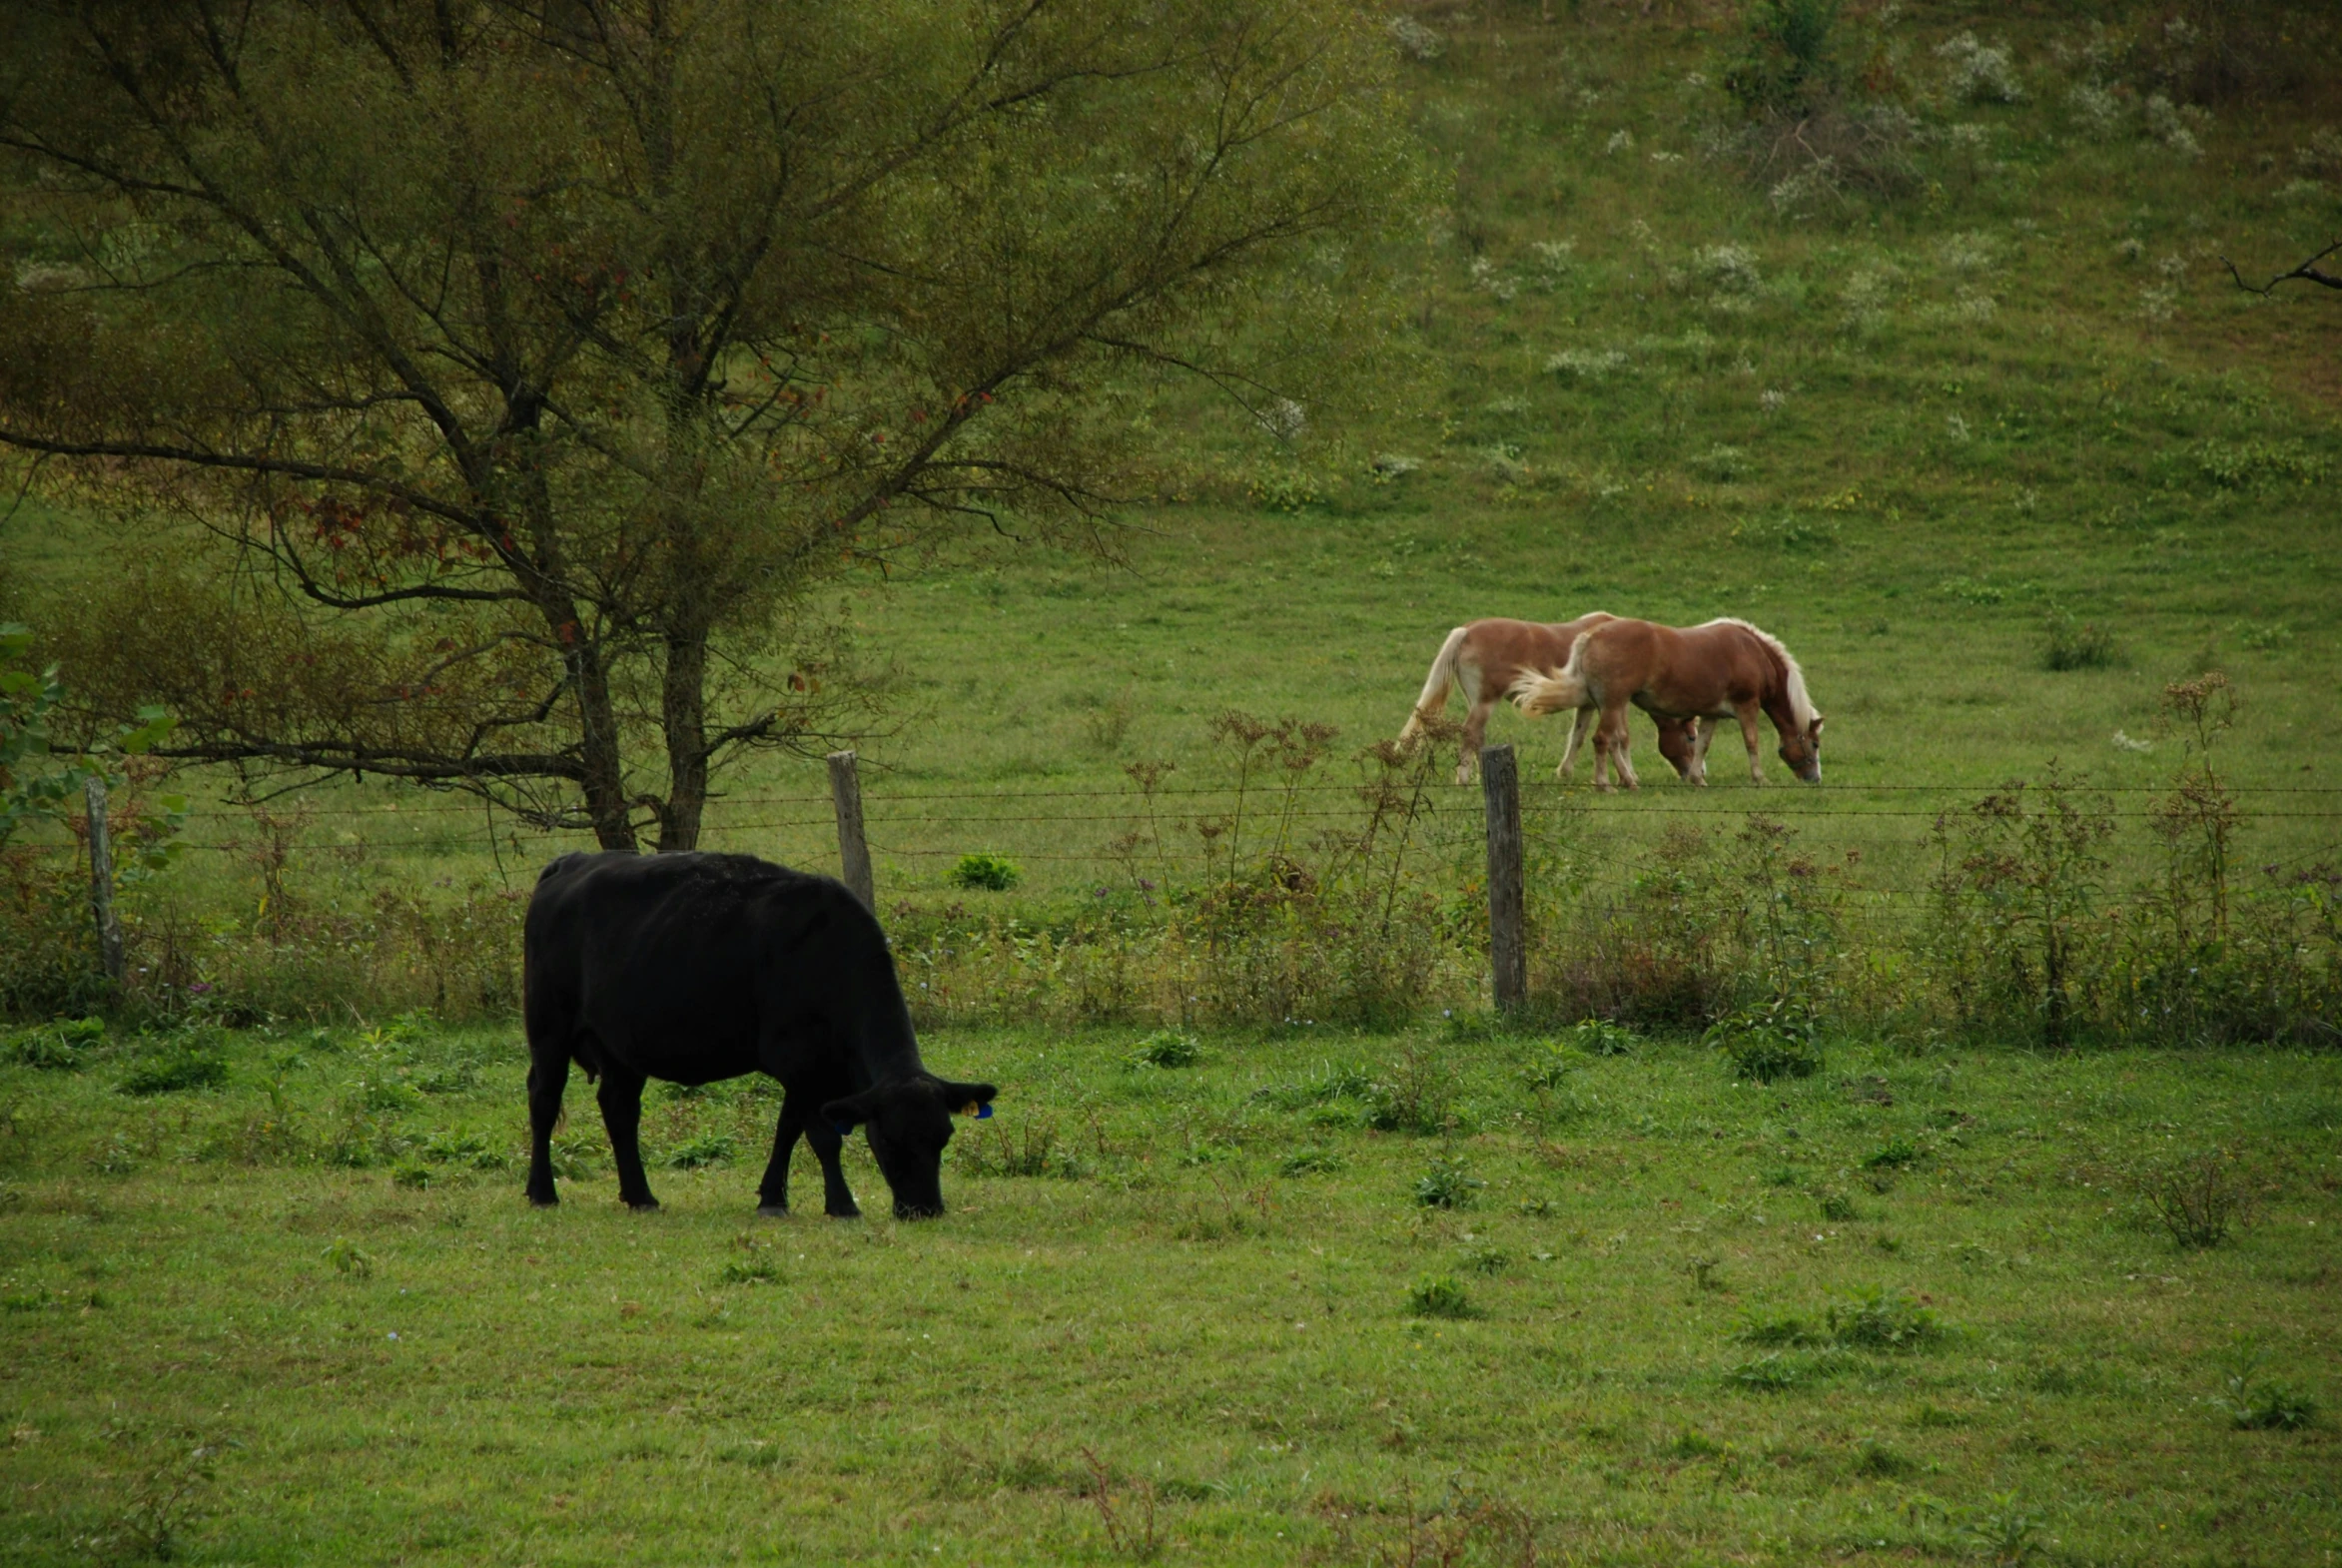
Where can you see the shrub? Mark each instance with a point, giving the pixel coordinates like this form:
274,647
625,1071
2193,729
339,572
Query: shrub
1766,1050
1980,73
2201,1197
1439,1295
2077,644
993,873
1787,59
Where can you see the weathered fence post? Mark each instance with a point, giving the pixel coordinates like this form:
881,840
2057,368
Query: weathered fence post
853,849
1508,937
102,882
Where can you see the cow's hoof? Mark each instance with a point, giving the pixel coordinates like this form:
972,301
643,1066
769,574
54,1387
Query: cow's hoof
773,1211
845,1214
645,1207
545,1202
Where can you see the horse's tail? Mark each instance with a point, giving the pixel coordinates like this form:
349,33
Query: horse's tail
1436,684
1537,694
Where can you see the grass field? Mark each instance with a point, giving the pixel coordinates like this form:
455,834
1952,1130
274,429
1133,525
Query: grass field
1917,1307
1912,1309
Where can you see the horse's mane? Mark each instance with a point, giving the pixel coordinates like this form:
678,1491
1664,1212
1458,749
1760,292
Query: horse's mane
1800,706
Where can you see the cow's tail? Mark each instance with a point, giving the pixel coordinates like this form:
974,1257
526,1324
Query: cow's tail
1436,684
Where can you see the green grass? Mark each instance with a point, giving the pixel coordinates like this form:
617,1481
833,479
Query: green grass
1640,1342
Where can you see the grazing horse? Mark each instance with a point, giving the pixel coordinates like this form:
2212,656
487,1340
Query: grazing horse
1724,669
1493,659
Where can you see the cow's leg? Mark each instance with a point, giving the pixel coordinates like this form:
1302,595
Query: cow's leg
837,1199
549,1075
772,1194
1748,736
1582,722
621,1102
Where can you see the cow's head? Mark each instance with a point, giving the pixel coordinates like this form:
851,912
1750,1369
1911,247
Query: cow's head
908,1122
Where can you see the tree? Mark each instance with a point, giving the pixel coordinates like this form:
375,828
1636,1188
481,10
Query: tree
491,387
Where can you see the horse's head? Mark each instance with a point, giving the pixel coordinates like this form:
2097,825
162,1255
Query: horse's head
1801,750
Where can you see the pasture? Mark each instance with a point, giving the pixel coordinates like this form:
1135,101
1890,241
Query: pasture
1223,1281
1214,1310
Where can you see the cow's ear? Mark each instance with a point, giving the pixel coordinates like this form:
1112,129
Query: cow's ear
972,1100
848,1114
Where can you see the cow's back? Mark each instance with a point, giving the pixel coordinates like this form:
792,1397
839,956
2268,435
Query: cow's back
680,965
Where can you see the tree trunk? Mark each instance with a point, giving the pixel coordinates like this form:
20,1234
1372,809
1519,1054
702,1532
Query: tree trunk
683,716
597,726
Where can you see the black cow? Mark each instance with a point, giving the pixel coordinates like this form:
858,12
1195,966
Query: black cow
691,968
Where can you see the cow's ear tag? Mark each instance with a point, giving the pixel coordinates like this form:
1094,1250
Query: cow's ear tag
980,1113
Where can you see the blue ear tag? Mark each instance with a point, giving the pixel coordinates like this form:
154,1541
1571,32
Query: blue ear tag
984,1113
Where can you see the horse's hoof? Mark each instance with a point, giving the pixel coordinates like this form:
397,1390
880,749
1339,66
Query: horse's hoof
773,1211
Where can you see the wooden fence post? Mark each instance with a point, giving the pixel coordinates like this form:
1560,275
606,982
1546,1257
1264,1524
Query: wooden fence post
1508,937
102,881
853,849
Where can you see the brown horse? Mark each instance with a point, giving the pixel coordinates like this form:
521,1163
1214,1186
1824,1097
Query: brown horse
1493,659
1724,669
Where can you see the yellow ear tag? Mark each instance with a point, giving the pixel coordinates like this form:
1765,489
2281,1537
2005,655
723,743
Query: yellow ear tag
970,1109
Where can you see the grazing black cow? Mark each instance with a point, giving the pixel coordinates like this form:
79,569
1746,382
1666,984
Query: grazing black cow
691,968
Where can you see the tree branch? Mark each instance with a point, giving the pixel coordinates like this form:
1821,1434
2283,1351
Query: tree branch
2307,272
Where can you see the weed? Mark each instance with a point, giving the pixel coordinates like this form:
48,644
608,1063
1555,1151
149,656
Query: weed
1486,1259
165,1502
2202,1198
1447,1185
1775,1372
1779,1333
348,1259
2254,1405
412,1174
1166,1048
1836,1206
1876,1461
180,1066
995,873
1895,1156
752,1270
1439,1295
1137,1539
57,1047
992,1150
1884,1320
2003,1529
1311,1159
702,1152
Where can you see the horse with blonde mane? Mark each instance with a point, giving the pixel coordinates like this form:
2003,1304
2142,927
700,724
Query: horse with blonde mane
1489,660
1723,669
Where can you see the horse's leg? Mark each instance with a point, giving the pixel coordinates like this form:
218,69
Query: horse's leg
1581,722
1475,725
1748,736
1621,756
1703,731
